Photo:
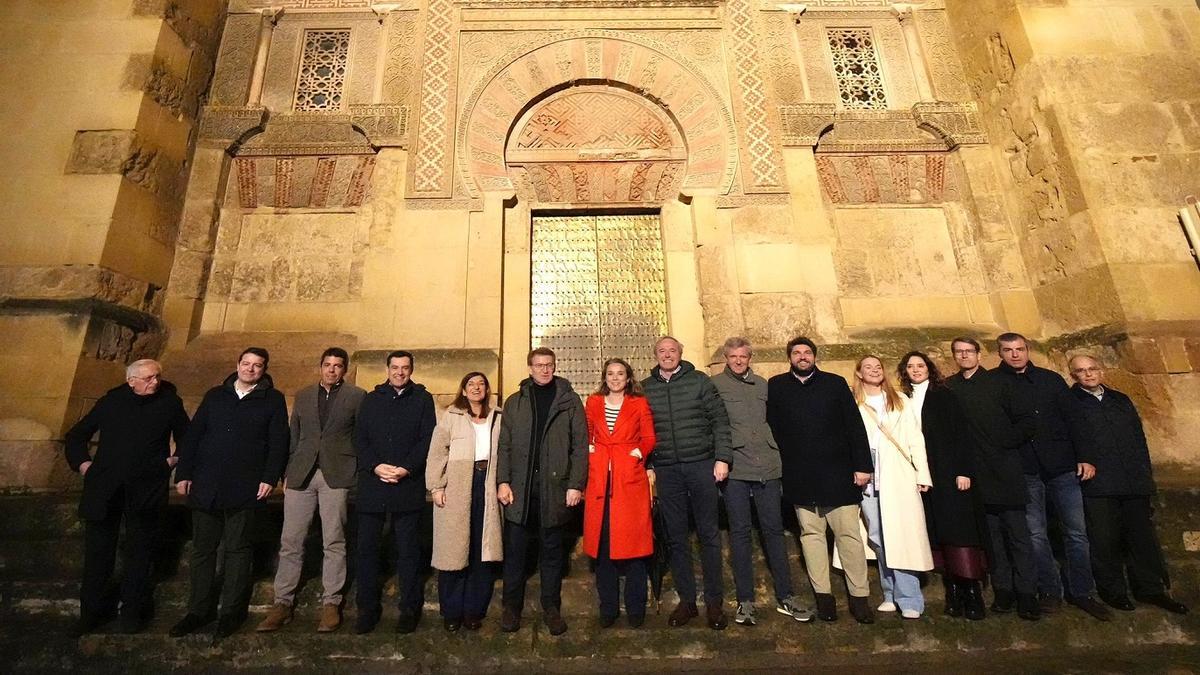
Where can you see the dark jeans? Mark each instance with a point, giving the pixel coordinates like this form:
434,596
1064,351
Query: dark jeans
210,530
468,592
405,535
684,487
767,497
1011,551
100,556
1063,490
550,560
1120,526
608,578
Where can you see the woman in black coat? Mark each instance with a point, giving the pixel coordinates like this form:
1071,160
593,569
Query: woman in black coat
953,514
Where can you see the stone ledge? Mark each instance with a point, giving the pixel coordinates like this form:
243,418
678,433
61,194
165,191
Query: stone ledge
29,286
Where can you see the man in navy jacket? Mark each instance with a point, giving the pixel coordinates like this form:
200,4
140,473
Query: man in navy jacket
395,426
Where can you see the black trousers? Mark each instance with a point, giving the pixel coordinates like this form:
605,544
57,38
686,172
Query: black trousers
100,543
466,593
1012,562
211,529
608,577
1122,529
517,538
405,534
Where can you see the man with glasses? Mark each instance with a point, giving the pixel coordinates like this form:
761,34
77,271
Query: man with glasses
1000,424
1054,462
127,476
1117,499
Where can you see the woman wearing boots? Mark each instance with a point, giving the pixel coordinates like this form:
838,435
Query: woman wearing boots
952,513
617,529
891,504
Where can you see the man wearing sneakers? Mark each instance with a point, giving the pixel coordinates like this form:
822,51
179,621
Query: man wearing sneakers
754,477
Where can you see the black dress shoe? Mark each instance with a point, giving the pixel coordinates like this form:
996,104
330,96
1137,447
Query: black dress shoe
1003,601
1050,604
452,625
554,621
1092,606
715,615
510,621
635,620
472,623
87,623
972,592
860,609
407,623
607,621
1165,601
1028,607
228,624
1120,602
365,622
190,623
130,623
826,607
684,612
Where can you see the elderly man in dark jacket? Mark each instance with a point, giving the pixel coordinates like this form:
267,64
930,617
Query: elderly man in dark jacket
1054,462
321,469
394,427
127,476
826,463
1117,499
691,459
1000,423
230,460
540,474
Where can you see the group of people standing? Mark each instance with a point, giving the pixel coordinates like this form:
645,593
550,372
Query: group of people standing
931,473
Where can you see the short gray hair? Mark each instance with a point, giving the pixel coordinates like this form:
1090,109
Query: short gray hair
664,338
736,343
138,365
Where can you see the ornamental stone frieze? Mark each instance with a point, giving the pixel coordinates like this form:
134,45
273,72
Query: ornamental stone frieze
230,123
927,127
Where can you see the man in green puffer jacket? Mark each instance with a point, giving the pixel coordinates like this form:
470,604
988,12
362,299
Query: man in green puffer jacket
692,456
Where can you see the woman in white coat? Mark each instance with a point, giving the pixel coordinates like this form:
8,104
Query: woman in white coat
467,525
892,505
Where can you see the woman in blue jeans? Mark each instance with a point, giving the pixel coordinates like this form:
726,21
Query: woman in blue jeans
891,505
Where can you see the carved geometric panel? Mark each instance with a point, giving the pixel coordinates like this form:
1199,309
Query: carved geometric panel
235,62
927,178
322,70
759,153
430,171
949,82
856,67
595,120
303,182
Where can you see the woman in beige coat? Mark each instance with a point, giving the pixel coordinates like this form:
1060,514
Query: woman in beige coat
892,503
467,523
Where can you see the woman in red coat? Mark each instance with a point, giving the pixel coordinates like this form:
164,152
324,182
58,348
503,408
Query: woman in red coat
617,529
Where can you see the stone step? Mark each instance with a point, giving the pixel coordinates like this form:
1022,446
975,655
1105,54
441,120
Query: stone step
1145,641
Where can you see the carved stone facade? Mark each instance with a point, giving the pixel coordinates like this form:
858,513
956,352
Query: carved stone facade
861,171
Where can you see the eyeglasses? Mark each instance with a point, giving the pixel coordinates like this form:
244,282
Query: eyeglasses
146,378
1087,371
542,366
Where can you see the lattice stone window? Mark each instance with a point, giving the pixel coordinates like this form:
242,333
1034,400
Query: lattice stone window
856,65
323,70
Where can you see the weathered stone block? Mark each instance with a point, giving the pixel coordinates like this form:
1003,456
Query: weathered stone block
103,151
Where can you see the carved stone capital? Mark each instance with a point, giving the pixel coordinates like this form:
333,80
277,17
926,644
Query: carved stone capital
384,124
903,11
308,133
804,123
229,123
956,123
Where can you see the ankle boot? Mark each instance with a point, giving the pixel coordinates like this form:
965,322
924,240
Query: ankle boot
972,595
826,607
954,596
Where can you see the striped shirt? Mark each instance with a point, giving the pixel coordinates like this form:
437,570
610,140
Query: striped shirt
610,415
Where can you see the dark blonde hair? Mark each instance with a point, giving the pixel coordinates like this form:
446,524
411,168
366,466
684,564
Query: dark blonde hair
893,399
632,387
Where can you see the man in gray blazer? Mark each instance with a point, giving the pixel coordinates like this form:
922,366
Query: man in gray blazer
321,468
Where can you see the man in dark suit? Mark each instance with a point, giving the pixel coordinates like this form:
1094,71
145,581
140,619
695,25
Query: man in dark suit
320,472
127,476
392,434
229,461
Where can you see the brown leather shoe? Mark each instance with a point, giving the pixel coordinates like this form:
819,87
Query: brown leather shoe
684,612
279,616
331,618
715,615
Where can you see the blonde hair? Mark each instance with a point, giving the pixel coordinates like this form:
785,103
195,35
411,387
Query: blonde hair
893,400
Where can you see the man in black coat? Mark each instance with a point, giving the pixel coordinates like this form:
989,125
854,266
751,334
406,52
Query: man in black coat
692,457
541,471
826,463
395,426
1054,465
1117,499
231,458
127,476
1001,423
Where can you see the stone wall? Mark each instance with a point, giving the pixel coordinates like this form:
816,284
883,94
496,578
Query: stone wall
100,128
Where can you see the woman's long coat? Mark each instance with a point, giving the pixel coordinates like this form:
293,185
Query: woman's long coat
954,516
901,512
451,467
631,530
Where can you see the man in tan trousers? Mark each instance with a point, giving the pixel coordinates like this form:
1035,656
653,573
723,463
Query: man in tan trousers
320,471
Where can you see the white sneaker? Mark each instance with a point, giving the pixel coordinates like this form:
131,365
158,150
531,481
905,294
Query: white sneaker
910,614
886,606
